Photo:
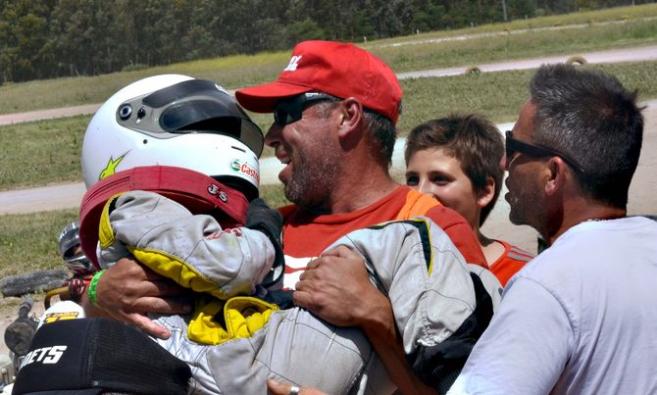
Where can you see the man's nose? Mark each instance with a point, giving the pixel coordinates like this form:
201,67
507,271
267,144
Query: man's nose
273,136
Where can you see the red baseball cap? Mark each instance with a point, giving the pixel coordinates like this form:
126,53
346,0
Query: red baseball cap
339,69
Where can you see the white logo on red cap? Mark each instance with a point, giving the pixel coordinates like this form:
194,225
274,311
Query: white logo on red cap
294,63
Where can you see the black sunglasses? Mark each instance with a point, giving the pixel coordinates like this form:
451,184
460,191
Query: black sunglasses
291,110
538,151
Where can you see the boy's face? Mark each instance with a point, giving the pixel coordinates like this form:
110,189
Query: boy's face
435,172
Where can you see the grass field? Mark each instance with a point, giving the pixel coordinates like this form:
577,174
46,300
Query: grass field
48,151
45,152
29,241
237,71
518,46
577,18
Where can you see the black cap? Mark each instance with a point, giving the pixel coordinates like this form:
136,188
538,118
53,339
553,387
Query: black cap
97,355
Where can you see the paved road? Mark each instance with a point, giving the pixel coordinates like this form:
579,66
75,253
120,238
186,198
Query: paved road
609,56
636,54
505,33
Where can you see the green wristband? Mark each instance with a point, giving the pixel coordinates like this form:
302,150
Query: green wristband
93,284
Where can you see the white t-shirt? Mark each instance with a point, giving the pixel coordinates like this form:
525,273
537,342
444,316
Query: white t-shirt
581,318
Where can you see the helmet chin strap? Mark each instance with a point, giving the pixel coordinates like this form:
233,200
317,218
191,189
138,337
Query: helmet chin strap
197,192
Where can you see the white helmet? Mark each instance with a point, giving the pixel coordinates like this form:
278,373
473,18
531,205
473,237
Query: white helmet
174,120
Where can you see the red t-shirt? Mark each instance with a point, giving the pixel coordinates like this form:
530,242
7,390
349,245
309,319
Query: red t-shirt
306,235
508,264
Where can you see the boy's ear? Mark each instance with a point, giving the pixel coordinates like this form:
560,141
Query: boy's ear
486,195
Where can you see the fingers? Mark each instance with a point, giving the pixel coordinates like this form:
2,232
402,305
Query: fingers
147,325
314,264
303,299
166,306
155,285
339,251
278,388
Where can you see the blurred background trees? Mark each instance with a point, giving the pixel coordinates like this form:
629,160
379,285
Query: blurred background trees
54,38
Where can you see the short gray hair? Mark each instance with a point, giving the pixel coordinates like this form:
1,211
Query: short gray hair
382,130
384,134
590,117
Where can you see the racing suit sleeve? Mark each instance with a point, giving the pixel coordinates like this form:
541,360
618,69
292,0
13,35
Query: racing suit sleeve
192,250
441,304
459,232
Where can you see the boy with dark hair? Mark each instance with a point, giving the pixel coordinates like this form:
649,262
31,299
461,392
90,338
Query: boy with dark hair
458,159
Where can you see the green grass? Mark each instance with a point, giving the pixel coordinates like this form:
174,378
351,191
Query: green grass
29,241
42,152
499,95
518,46
242,70
49,151
585,17
231,72
273,195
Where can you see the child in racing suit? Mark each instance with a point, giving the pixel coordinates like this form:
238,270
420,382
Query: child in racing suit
234,341
170,162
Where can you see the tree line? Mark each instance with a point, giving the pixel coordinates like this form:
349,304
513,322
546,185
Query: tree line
54,38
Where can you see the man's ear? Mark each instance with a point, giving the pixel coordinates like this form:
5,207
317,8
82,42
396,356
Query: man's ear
555,175
350,116
487,193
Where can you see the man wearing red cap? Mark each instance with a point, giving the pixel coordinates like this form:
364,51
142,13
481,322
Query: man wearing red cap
335,108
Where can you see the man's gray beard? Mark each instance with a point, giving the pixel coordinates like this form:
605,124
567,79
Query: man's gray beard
311,184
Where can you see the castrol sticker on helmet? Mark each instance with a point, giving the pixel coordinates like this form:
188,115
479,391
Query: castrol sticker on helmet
245,169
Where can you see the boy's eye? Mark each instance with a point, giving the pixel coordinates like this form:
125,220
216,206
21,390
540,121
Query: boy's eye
412,180
440,179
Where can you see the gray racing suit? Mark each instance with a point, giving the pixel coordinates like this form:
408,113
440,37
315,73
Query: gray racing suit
441,304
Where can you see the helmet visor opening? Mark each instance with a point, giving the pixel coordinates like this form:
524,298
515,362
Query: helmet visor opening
199,115
211,117
194,105
179,91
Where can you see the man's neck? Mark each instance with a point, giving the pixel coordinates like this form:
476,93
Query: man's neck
579,211
359,191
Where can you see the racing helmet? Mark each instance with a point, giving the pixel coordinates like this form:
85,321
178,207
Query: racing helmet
71,251
177,121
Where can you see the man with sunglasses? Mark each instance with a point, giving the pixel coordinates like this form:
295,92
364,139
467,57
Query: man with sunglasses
335,107
580,317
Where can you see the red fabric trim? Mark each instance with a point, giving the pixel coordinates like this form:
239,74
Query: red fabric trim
197,192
